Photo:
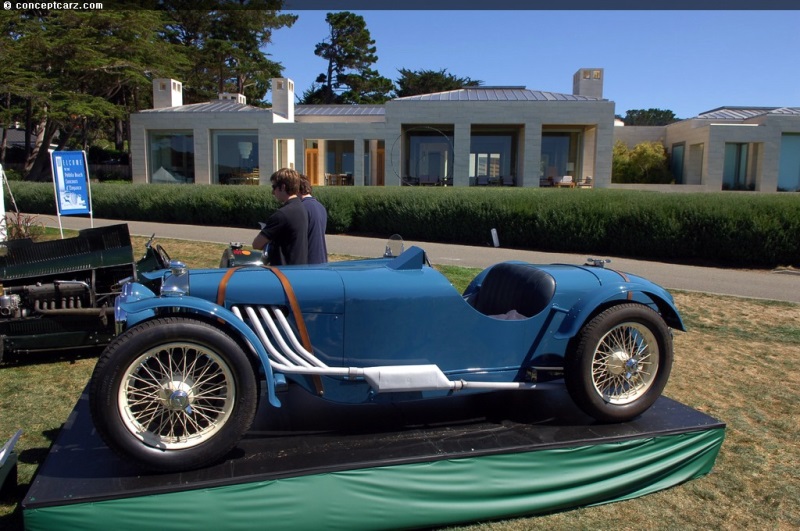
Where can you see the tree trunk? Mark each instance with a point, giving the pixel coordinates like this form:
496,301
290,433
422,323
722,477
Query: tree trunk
33,151
4,140
28,127
119,135
38,166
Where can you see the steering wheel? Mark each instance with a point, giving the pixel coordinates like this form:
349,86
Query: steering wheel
163,257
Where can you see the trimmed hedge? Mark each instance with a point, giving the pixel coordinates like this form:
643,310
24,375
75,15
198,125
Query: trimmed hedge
727,229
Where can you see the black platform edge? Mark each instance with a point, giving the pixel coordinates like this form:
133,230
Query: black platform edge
311,436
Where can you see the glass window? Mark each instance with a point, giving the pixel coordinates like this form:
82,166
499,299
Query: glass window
235,159
734,173
339,156
676,162
429,158
491,157
559,155
171,157
789,168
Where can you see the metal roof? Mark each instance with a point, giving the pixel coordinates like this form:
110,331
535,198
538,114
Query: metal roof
497,94
212,106
339,110
793,111
15,137
743,113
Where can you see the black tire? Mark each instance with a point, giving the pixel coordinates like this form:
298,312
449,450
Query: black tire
173,394
620,363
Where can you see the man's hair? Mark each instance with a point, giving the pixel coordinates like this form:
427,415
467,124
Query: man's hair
305,185
288,178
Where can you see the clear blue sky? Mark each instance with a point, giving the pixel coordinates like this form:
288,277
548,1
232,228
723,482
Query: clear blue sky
685,61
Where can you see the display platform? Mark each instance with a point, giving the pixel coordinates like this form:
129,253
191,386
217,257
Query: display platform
316,465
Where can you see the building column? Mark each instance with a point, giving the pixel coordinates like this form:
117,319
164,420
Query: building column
373,163
714,160
202,156
604,148
588,153
358,161
771,160
531,155
461,149
394,156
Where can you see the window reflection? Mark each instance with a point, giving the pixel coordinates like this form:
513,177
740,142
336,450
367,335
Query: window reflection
235,157
491,160
171,157
339,156
559,155
429,158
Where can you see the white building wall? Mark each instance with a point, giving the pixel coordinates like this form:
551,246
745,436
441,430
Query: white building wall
531,115
632,135
200,124
526,117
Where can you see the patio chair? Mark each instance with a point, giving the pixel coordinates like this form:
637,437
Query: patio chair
566,182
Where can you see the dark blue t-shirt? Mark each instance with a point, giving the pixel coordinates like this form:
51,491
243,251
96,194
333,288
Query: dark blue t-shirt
317,224
287,230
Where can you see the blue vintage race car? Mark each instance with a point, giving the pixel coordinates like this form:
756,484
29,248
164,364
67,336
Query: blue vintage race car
179,386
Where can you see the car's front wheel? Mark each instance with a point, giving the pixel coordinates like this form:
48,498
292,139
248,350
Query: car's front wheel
620,364
173,394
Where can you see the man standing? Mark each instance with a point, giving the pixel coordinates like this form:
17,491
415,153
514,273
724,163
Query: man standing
317,224
286,230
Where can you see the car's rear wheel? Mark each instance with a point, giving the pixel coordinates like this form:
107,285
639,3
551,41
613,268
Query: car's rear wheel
620,364
173,394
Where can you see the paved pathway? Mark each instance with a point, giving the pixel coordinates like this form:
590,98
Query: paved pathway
773,285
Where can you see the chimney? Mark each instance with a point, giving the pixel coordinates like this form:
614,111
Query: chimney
588,82
228,96
283,98
167,93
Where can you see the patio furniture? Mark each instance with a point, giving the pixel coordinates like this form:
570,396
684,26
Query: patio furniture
566,181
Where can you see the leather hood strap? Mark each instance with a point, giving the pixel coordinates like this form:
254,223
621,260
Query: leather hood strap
295,307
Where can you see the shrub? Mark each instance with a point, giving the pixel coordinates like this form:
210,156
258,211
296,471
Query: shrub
734,230
646,163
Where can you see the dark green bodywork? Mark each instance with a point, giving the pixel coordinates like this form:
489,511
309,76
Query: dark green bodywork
60,294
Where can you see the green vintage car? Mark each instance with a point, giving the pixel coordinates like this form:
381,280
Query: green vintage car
60,294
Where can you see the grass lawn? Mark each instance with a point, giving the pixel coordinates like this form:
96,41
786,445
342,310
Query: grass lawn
739,362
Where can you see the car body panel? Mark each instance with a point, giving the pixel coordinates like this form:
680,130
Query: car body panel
399,312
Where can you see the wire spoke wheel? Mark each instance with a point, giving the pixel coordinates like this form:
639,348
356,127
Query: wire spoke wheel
619,362
625,363
176,395
173,393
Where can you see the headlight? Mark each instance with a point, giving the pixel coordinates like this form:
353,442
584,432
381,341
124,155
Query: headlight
176,284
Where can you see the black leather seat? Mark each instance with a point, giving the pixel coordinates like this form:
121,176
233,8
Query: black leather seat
523,288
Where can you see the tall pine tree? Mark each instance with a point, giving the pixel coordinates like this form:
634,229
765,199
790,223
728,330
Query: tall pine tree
350,52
